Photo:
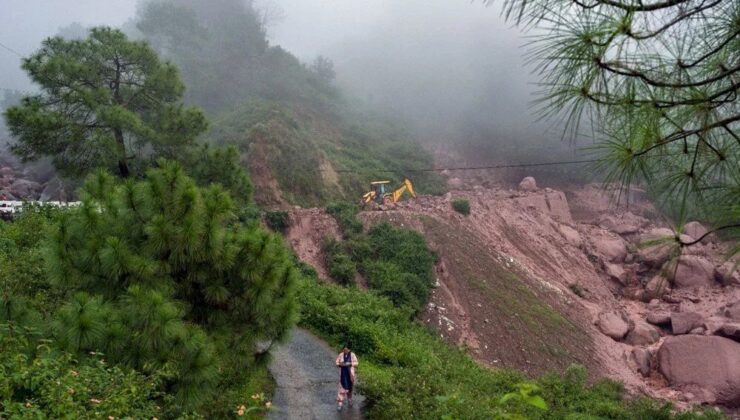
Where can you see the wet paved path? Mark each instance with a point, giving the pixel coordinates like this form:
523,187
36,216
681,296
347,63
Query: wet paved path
306,380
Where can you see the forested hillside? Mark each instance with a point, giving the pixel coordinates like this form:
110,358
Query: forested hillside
293,128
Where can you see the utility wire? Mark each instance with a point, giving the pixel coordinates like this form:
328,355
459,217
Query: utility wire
11,50
472,168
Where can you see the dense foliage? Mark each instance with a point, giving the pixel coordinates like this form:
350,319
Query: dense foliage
406,372
105,102
395,262
157,278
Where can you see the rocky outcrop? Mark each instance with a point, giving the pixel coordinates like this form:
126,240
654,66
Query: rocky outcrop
528,184
613,324
706,366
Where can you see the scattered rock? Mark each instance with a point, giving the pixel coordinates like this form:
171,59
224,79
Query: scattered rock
617,273
698,331
528,184
612,248
657,287
656,247
727,274
693,271
613,325
642,334
684,322
625,225
730,330
696,230
732,311
659,318
6,172
705,365
571,235
643,359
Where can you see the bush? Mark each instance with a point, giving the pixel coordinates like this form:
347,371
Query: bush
461,206
277,220
340,265
346,216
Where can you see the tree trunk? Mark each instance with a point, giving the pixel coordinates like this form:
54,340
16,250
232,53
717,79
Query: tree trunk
123,171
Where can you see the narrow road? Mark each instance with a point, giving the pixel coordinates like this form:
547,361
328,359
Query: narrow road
307,380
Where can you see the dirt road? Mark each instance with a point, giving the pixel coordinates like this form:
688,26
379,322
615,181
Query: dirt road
307,380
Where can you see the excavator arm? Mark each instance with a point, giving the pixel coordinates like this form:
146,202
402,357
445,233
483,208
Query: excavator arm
407,186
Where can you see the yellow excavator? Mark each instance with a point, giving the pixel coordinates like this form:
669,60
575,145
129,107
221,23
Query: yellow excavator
380,192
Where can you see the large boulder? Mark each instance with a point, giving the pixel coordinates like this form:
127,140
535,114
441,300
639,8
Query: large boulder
613,249
643,334
696,231
707,366
730,330
613,324
627,224
571,235
528,184
693,271
657,287
684,322
617,273
659,318
727,274
7,172
656,247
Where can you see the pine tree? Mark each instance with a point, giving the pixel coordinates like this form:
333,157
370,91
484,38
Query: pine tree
658,80
105,102
167,279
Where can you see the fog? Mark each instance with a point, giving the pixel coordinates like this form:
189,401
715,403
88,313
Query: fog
453,69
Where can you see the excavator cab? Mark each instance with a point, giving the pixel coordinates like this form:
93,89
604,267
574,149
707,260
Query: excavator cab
380,192
380,188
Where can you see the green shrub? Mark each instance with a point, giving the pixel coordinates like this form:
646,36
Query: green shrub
340,265
277,220
461,206
346,216
40,383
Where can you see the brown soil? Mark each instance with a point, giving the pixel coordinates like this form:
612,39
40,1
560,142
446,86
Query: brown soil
508,274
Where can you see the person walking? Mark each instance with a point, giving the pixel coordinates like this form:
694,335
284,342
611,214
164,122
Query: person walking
346,362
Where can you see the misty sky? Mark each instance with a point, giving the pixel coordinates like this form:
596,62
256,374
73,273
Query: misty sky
431,61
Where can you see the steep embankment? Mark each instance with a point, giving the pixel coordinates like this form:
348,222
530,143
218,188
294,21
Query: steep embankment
525,282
